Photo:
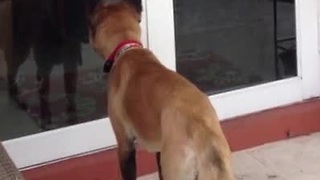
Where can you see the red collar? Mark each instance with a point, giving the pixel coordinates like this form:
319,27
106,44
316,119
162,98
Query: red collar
120,49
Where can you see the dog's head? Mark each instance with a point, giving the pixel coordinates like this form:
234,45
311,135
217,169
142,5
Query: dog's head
112,22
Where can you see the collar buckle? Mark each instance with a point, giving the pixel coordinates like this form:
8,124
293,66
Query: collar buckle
108,66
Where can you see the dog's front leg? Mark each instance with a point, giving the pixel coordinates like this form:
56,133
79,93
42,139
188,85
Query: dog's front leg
127,160
158,156
126,147
43,78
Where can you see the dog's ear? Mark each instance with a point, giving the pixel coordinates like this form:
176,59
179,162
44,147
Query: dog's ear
136,4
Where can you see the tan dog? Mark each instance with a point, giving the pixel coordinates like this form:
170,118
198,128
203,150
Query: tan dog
157,107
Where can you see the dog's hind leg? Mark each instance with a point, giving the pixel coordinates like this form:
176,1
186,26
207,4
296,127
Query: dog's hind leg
15,56
178,163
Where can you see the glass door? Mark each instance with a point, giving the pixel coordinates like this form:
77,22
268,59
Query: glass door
52,88
247,55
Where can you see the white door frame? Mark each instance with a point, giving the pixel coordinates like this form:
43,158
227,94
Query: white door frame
158,28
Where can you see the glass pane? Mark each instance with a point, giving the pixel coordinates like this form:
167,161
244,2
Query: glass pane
49,75
228,44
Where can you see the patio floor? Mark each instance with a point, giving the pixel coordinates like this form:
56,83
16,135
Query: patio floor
293,159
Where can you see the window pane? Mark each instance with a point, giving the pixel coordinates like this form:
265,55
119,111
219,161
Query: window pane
49,75
229,44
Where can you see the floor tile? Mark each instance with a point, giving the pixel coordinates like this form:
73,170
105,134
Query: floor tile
246,167
280,157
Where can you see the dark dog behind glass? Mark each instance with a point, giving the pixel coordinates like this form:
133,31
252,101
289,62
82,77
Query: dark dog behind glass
53,30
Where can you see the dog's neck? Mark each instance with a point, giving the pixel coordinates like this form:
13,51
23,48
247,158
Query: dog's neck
120,49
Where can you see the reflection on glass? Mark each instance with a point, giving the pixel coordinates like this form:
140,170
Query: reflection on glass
49,75
223,45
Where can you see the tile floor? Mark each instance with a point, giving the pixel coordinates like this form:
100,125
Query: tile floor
293,159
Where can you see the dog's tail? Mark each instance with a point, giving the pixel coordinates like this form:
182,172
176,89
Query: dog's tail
213,160
214,164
